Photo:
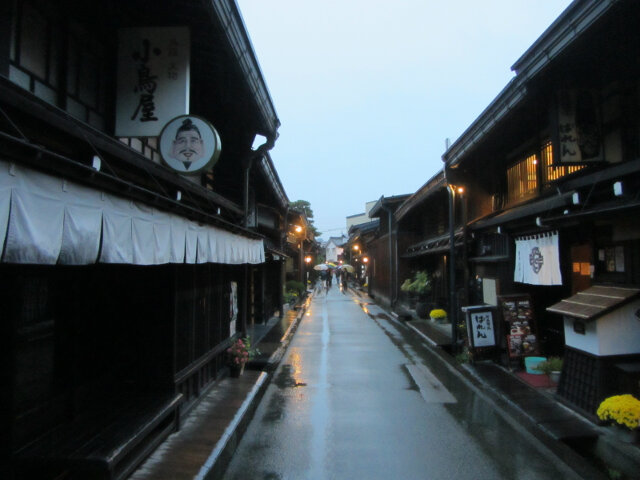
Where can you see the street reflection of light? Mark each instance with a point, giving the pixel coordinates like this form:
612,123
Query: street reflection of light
296,363
366,310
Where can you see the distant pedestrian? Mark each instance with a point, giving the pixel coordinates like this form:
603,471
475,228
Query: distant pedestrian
329,275
344,280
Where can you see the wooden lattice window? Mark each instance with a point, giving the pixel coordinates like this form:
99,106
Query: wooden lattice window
551,172
522,180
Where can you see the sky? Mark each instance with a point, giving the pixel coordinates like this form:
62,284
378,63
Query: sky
369,91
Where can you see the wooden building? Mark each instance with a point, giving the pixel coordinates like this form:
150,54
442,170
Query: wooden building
124,276
551,171
382,250
357,251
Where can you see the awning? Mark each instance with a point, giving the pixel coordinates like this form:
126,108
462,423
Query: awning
433,246
594,302
48,220
527,210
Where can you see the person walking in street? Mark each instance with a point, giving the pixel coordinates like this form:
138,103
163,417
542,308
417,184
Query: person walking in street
344,281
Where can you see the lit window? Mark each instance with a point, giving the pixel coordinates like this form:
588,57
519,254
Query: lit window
549,171
522,180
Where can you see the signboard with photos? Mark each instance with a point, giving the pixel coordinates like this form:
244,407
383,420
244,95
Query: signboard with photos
517,312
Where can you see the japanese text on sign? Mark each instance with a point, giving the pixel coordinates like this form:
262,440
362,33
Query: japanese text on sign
482,329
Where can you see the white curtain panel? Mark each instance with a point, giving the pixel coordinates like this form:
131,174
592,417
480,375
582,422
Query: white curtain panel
550,272
163,251
537,260
82,227
117,234
35,222
518,271
80,235
191,240
179,228
46,220
7,182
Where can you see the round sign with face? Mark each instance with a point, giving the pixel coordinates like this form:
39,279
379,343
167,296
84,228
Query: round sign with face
189,144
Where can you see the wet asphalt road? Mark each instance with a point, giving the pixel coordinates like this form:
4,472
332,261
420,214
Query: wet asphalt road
357,397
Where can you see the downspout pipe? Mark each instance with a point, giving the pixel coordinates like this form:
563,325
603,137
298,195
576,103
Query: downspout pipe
453,309
392,264
247,164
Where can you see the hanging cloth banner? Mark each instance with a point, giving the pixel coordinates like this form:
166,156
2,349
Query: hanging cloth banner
537,260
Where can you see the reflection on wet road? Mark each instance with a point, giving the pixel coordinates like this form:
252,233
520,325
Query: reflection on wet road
357,395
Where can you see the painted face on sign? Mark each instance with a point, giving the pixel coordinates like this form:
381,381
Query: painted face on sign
187,146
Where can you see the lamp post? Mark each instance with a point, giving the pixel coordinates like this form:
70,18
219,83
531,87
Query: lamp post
307,261
365,262
356,249
453,307
298,231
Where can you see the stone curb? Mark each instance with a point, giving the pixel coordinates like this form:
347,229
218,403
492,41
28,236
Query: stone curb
221,456
511,414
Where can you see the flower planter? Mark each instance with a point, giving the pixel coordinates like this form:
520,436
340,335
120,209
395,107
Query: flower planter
624,435
555,377
422,309
236,370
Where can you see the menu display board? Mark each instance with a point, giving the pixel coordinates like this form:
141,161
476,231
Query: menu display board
517,312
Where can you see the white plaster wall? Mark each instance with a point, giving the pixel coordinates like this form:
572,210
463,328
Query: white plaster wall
617,333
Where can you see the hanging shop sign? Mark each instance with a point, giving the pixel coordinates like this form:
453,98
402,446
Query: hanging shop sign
189,144
577,129
153,79
537,260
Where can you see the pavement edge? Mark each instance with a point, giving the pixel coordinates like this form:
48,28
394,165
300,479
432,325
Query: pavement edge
562,453
218,462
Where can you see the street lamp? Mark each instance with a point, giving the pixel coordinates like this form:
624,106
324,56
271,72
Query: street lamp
307,260
299,232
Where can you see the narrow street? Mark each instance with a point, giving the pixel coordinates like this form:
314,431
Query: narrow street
354,397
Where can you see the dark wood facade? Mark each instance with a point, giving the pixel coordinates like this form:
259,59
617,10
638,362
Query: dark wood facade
100,359
517,165
511,162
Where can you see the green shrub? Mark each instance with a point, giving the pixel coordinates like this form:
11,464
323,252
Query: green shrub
553,364
420,284
294,286
291,298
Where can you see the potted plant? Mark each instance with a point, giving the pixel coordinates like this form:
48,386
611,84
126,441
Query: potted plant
552,367
407,289
438,315
623,413
239,353
417,289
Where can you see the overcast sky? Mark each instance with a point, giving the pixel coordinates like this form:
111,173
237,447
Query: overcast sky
368,91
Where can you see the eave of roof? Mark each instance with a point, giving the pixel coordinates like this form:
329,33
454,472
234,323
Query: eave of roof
594,302
270,172
569,26
366,227
433,185
383,201
230,18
